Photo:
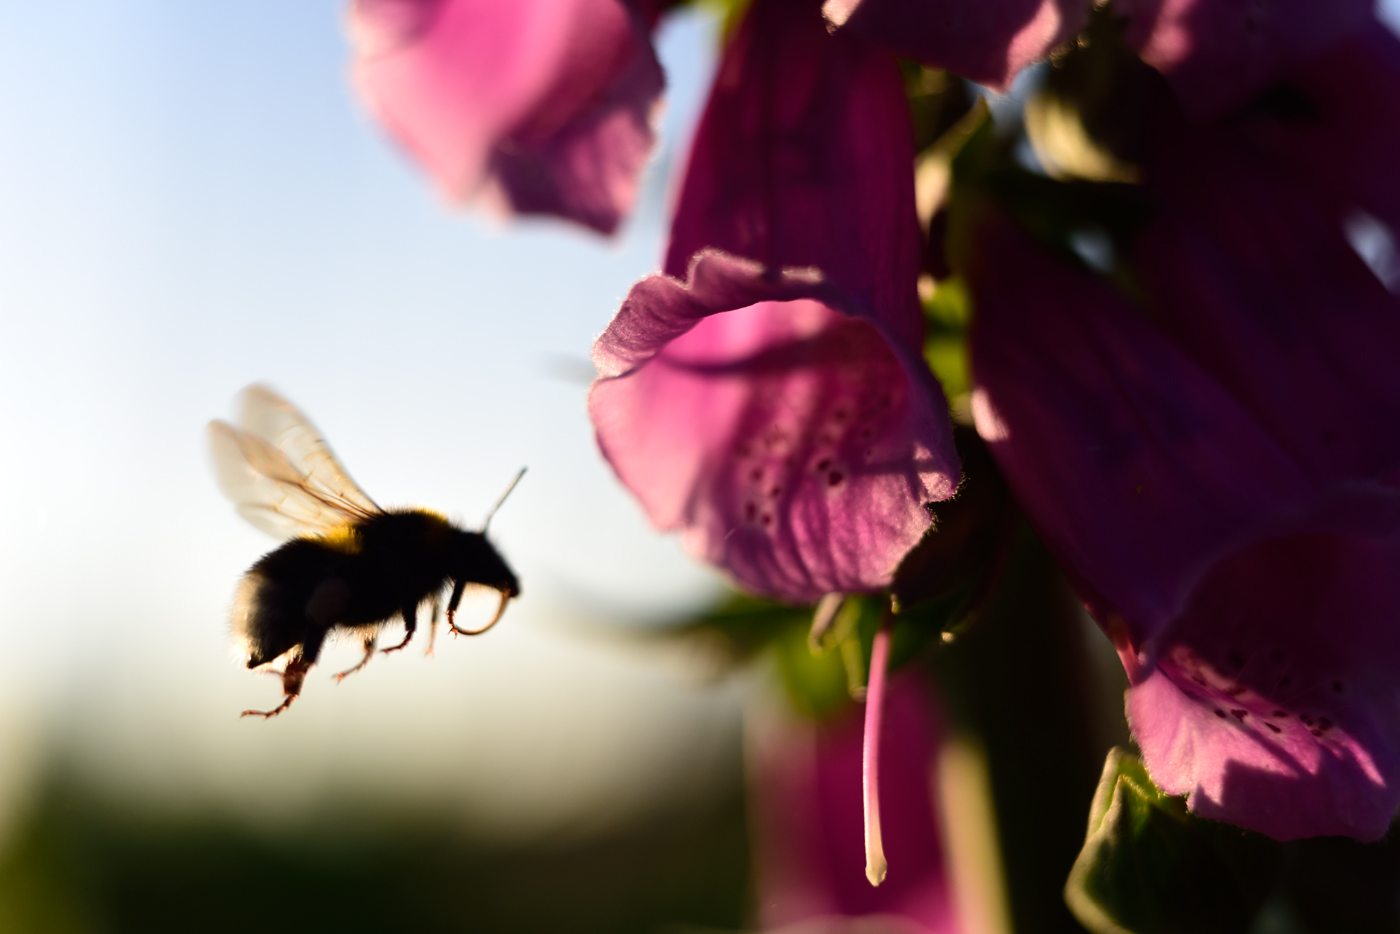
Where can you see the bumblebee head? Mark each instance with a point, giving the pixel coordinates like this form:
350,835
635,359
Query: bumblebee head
474,560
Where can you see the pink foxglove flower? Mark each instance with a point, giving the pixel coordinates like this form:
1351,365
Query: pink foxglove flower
1210,473
1339,124
1217,468
788,438
768,397
1218,54
1248,270
988,41
535,106
805,781
803,158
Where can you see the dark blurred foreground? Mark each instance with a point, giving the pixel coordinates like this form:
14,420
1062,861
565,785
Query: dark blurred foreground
79,862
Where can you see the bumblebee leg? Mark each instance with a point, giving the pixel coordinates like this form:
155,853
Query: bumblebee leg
371,641
292,677
505,598
269,714
433,624
452,603
410,623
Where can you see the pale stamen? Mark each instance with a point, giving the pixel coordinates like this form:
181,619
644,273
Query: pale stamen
823,619
875,864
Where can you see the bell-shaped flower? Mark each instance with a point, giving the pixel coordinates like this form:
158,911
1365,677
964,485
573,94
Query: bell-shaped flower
1209,470
988,41
805,783
788,438
1336,121
1218,54
1274,702
804,157
530,106
1247,268
768,396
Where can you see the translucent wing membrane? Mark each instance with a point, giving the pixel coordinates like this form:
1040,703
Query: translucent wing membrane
279,472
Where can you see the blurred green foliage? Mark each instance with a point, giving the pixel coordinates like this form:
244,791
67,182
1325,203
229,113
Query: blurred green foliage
730,12
822,680
1118,97
937,101
1057,213
82,863
947,313
1024,683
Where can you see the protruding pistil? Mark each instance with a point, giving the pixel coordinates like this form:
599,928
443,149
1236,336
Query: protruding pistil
875,864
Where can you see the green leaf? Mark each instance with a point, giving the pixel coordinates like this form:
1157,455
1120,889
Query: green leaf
1150,867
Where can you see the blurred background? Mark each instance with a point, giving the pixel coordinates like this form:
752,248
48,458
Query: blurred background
191,200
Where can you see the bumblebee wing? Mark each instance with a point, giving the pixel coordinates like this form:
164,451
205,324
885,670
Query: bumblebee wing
279,472
270,417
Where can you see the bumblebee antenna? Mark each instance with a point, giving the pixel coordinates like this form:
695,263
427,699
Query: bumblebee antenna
492,513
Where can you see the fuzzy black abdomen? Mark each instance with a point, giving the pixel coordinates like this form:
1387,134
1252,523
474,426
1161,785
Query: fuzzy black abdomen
273,605
372,571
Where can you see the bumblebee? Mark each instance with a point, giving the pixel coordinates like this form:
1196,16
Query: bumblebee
348,565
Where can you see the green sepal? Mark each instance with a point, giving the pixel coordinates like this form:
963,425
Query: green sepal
1149,866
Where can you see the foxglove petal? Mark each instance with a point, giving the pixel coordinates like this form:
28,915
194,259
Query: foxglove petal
792,441
806,788
1218,54
804,158
1246,268
1250,589
1337,123
988,42
1134,464
541,106
1275,706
